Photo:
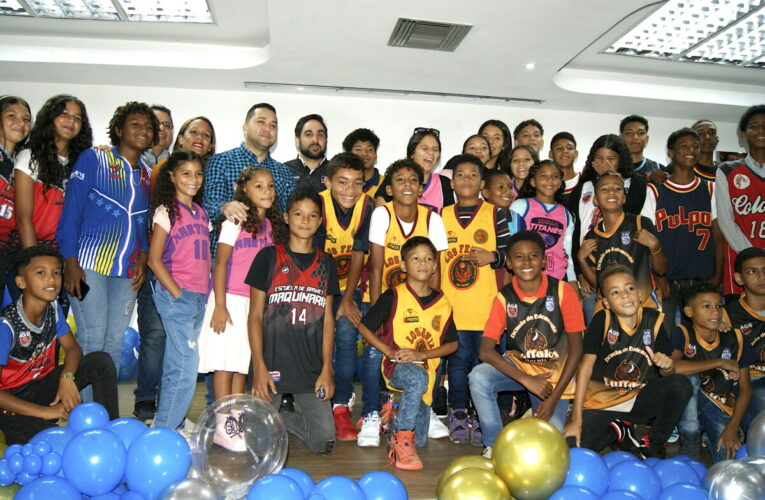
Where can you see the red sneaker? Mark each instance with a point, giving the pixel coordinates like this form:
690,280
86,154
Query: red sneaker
344,429
402,452
387,414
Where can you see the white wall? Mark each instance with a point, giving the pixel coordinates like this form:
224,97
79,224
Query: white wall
392,119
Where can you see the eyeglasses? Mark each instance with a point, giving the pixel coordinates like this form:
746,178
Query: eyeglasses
427,131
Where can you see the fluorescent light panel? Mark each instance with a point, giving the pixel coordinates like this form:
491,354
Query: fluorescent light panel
188,11
710,31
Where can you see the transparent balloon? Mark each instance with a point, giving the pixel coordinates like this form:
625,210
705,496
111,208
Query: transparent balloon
240,439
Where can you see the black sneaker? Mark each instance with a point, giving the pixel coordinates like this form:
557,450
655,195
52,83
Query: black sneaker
439,404
626,439
145,410
650,449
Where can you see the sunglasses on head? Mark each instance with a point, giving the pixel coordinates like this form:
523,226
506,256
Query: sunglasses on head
425,130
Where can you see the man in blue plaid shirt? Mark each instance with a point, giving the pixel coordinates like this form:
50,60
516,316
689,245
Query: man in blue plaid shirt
223,169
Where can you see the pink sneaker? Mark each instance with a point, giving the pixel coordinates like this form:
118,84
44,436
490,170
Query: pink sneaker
229,433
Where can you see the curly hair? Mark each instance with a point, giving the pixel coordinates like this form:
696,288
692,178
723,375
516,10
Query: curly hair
618,146
164,192
185,127
42,141
5,102
253,224
529,191
120,115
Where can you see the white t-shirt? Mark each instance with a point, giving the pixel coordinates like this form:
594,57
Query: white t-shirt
23,163
380,221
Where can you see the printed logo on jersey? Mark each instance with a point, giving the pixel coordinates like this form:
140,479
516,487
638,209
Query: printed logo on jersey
626,377
550,304
586,198
395,277
393,243
647,337
25,338
612,336
481,236
436,323
331,235
746,329
626,238
741,181
285,269
462,273
725,353
512,310
76,174
451,236
690,351
343,265
535,344
410,316
550,230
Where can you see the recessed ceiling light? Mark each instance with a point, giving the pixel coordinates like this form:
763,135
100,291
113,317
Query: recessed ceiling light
710,31
530,66
174,11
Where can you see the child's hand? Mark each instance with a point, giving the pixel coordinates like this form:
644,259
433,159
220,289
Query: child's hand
648,240
546,409
220,318
658,176
573,429
262,384
586,249
104,148
139,270
349,310
234,211
327,381
584,285
480,256
53,412
663,286
729,439
730,367
539,385
661,360
68,395
409,356
724,326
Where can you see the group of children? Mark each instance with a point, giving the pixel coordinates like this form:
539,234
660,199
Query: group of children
489,285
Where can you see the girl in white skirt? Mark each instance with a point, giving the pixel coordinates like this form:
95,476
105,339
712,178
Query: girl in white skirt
223,345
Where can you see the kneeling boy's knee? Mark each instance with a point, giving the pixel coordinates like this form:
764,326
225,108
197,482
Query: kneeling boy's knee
681,387
100,361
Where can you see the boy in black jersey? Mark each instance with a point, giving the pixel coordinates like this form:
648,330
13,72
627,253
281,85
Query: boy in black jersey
291,337
717,362
35,392
626,375
747,315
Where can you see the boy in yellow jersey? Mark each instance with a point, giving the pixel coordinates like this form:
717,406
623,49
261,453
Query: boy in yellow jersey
472,271
416,329
392,224
344,235
544,323
626,375
364,143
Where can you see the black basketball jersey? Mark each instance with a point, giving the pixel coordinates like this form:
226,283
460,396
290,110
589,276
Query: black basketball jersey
752,328
715,383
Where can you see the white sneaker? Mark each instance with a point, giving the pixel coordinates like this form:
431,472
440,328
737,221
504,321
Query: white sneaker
437,429
351,401
369,435
187,430
486,452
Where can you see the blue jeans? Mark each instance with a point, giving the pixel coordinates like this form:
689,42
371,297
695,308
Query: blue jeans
152,348
103,316
371,378
589,301
707,417
690,424
485,381
346,336
757,404
413,414
182,318
460,363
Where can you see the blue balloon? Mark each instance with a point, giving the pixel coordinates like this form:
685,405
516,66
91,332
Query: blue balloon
651,461
51,463
129,355
157,458
6,476
742,452
42,448
25,478
16,463
127,429
106,496
337,488
132,495
32,464
381,485
56,437
14,448
587,470
28,449
275,487
620,495
94,461
673,471
682,491
701,469
47,487
301,478
636,477
615,457
89,415
573,493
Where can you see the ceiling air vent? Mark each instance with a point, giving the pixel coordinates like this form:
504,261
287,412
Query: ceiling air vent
431,35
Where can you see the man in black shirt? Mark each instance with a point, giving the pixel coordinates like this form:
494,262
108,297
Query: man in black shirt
310,166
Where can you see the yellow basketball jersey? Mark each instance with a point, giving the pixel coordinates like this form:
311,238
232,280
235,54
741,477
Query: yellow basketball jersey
418,327
394,240
470,288
339,240
372,190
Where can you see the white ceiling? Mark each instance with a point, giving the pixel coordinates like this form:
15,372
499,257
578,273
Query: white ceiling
344,43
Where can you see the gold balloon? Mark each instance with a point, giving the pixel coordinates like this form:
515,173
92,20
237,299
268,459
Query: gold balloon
531,456
460,463
8,492
474,484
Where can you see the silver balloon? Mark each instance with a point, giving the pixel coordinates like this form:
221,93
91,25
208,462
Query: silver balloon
757,461
712,473
755,436
189,489
735,481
